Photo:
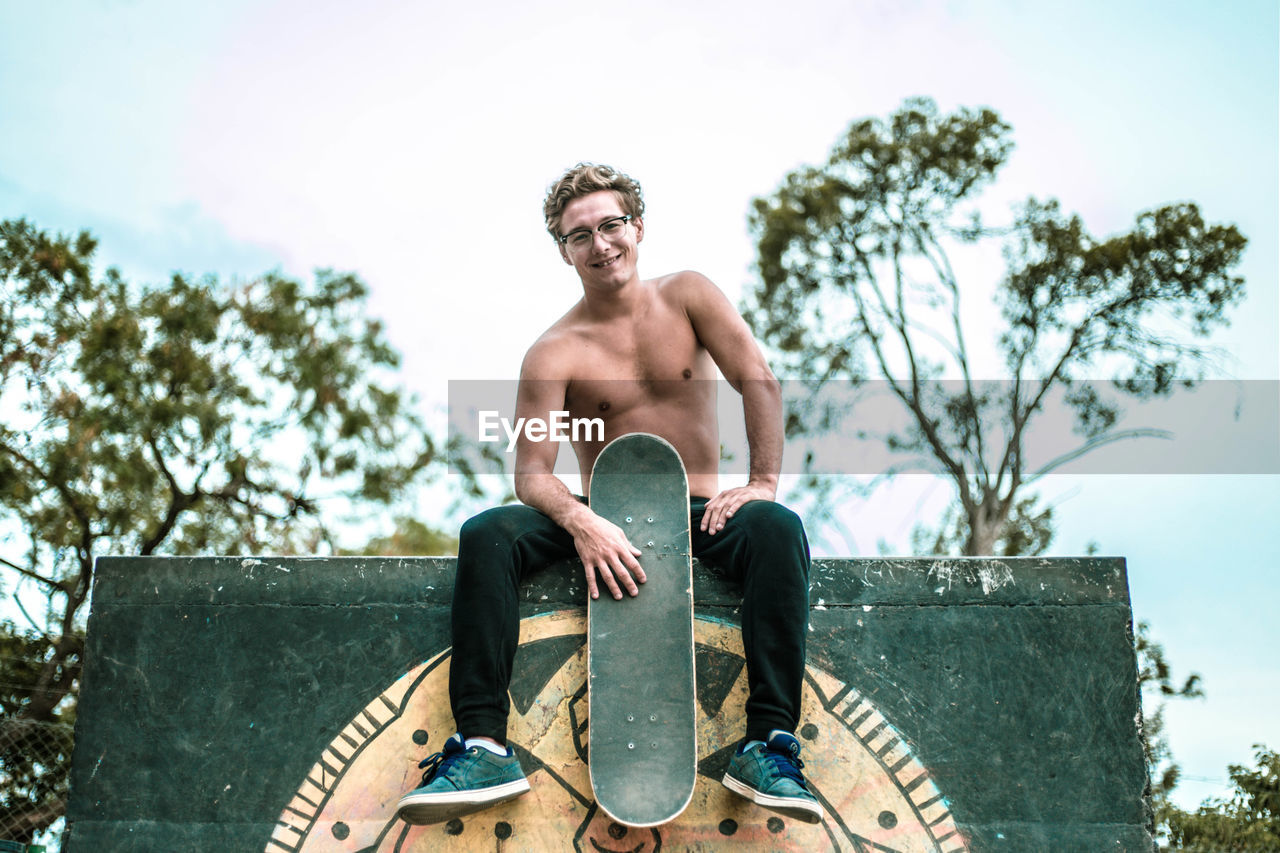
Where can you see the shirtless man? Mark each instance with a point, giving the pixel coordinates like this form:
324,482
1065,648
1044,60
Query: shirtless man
641,355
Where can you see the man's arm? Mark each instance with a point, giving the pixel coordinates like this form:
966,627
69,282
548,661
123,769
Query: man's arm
728,339
601,545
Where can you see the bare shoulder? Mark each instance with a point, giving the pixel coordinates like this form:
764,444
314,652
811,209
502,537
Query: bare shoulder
684,284
692,292
550,354
698,297
543,358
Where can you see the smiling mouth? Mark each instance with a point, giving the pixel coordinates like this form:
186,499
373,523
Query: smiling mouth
608,263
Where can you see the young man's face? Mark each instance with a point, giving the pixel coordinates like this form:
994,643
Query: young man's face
602,260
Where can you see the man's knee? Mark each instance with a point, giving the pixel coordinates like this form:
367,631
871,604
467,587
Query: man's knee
775,536
487,550
772,519
775,557
494,527
477,527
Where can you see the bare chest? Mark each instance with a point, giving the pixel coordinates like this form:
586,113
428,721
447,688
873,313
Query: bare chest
643,362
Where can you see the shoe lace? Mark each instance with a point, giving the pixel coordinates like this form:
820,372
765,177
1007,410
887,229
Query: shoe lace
786,765
438,764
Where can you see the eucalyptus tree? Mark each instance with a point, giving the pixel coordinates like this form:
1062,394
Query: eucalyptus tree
192,417
859,280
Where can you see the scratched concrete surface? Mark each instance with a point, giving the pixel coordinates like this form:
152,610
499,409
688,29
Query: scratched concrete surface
951,704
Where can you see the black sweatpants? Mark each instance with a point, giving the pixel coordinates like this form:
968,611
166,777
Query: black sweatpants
762,547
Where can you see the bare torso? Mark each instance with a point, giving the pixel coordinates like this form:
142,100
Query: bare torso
641,356
642,371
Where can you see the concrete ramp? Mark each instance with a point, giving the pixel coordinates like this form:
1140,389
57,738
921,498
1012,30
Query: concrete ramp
280,705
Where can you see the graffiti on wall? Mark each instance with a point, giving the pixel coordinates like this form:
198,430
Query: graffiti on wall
877,795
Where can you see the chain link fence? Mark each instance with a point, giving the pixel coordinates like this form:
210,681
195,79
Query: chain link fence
35,764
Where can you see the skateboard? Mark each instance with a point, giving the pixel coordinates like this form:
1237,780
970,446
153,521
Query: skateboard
643,727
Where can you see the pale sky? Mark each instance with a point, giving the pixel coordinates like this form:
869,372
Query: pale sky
411,142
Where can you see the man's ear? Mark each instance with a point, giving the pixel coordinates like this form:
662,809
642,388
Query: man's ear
638,224
564,253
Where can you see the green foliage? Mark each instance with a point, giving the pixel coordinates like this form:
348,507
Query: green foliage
34,755
857,282
412,538
1157,685
1248,821
1028,532
192,417
134,406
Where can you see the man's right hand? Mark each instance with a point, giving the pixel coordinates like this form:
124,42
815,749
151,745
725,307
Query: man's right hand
605,551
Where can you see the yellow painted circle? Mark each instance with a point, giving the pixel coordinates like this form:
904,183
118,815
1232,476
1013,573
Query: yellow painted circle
876,793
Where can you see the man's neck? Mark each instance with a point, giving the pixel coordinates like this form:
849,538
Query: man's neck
608,303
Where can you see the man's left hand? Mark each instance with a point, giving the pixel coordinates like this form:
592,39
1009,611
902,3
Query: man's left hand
722,507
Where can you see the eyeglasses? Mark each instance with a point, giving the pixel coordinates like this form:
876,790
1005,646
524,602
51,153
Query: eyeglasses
610,229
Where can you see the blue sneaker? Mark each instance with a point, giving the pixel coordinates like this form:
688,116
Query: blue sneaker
459,781
768,774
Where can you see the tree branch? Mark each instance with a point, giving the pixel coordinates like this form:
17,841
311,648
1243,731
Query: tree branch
179,501
1093,444
932,249
914,400
33,575
68,496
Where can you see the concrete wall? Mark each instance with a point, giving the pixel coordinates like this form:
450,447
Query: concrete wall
281,704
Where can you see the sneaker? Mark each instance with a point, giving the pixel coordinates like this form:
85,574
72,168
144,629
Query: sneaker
768,774
459,781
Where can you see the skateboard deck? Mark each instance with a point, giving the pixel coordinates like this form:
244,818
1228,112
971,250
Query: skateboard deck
643,729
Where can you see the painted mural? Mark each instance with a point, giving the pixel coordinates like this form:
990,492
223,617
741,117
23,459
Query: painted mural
877,795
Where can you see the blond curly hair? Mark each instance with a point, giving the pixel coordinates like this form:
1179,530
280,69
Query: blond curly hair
584,179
